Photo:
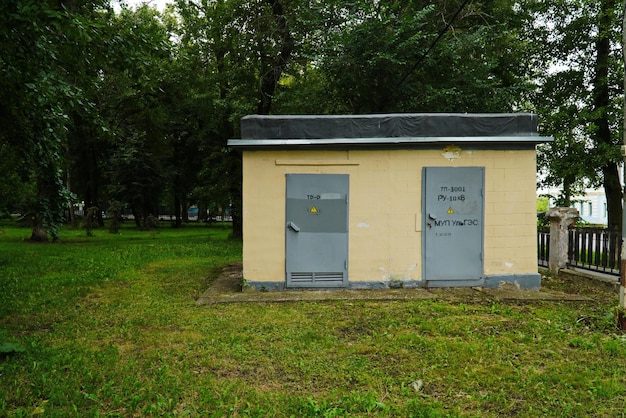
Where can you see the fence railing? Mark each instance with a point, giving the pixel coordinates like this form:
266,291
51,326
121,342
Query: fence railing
543,246
595,249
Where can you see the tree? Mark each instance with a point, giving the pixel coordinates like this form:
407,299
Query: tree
40,85
13,189
132,93
606,109
412,56
136,177
580,96
316,56
143,114
239,50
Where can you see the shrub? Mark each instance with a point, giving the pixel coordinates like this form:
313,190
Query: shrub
151,223
114,214
90,220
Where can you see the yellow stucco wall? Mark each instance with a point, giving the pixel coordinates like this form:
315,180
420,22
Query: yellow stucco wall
385,209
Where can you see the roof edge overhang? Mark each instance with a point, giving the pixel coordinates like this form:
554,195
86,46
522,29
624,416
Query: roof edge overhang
473,142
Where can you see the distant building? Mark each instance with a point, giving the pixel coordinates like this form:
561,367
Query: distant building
591,205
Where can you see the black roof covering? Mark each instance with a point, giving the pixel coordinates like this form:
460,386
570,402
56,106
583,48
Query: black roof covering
386,130
383,126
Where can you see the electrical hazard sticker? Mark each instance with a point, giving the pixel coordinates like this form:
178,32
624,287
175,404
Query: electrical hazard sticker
450,211
314,210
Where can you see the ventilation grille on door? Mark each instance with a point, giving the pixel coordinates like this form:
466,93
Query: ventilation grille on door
315,277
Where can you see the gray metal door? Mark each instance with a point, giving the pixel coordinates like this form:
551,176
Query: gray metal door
317,230
452,225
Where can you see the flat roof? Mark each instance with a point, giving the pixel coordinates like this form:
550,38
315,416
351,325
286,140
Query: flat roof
403,130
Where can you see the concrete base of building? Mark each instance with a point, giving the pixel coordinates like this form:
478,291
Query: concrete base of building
531,281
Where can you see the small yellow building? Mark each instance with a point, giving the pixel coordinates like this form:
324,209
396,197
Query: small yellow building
401,200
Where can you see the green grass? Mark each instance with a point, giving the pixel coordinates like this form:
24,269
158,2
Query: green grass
107,326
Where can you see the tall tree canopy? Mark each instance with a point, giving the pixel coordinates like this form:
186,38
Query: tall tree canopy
142,114
41,83
581,96
409,56
331,56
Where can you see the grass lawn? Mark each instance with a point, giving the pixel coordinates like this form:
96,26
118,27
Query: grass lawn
108,326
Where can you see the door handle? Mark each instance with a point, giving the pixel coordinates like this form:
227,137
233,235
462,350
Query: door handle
431,218
293,227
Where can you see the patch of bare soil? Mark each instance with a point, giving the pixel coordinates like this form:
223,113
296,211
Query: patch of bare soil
603,291
229,280
227,287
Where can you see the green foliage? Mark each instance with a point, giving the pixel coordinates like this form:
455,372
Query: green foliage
13,190
580,99
414,56
137,103
143,113
151,223
41,84
136,177
114,214
335,57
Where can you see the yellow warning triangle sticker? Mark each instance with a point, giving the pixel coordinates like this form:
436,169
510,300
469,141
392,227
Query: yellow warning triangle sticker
313,210
450,211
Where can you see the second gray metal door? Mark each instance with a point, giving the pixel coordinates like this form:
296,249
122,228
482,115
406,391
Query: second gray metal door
452,225
316,230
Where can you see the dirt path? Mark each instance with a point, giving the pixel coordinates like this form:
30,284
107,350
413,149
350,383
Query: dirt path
226,288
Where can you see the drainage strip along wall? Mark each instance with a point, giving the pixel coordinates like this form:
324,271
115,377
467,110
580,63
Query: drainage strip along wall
429,200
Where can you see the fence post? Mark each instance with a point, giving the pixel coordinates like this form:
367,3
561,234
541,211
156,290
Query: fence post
560,221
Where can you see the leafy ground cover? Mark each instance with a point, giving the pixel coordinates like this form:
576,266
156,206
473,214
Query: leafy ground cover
108,326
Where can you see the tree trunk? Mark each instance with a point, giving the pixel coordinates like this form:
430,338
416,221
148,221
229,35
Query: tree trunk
621,319
70,204
39,234
567,193
601,109
177,211
272,67
177,202
136,216
93,182
235,213
613,192
202,216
